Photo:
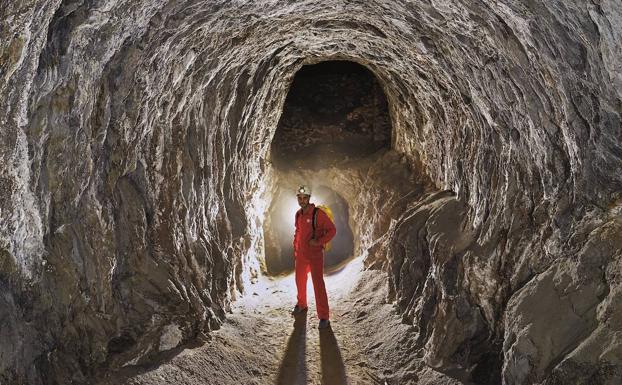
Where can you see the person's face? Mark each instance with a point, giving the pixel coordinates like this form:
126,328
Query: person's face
303,200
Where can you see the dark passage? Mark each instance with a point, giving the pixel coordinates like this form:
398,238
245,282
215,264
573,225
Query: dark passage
334,111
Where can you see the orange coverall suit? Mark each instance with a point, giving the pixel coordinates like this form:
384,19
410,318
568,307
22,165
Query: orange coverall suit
311,258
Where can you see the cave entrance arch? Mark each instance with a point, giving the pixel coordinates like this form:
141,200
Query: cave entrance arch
335,113
279,230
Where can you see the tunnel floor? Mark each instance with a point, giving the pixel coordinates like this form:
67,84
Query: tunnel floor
261,343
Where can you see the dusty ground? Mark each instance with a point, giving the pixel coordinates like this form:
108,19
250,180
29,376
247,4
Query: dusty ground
261,343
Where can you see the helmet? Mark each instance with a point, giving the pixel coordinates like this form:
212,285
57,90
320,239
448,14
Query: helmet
303,190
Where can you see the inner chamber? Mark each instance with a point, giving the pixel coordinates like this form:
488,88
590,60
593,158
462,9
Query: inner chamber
334,111
335,114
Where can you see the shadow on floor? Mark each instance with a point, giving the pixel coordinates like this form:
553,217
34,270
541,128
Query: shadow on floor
293,370
333,370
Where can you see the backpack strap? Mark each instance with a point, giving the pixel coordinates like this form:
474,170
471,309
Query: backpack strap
314,222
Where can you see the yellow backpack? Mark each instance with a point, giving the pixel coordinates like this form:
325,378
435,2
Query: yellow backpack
329,213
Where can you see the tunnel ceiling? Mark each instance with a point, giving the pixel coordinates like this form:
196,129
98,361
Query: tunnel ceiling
133,155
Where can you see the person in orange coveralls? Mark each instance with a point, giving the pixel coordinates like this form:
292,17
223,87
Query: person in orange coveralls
309,254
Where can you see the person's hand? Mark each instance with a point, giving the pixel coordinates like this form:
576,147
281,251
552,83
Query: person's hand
313,242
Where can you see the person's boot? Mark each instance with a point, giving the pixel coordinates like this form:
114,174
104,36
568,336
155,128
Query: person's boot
324,323
299,310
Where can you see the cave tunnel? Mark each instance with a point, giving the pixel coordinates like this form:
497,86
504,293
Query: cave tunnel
470,151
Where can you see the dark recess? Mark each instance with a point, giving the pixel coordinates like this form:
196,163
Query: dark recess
334,111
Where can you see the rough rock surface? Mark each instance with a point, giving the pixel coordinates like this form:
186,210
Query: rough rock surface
133,166
261,343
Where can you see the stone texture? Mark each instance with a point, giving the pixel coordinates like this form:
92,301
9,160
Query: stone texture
133,162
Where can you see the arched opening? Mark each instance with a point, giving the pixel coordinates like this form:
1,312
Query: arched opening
279,230
335,114
334,111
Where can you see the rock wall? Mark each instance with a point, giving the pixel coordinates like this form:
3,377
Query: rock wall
133,159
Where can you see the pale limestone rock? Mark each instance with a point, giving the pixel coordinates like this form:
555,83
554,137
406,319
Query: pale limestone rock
171,337
133,155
